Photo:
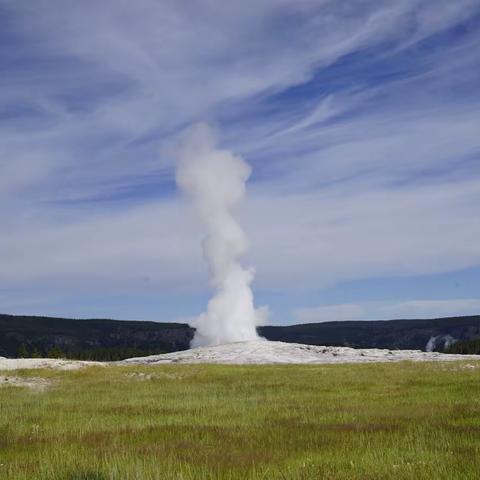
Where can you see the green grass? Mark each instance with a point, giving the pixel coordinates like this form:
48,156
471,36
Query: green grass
381,421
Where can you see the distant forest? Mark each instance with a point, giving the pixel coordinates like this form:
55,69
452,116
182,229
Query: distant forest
465,347
100,354
112,340
112,354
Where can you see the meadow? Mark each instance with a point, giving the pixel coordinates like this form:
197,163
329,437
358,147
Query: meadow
368,421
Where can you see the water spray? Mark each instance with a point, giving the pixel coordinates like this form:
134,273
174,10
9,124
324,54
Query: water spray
215,181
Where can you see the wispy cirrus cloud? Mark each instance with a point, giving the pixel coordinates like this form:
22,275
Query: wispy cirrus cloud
360,120
407,309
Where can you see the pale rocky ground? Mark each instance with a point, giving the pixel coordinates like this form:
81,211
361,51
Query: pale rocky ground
35,383
28,363
38,384
253,352
266,352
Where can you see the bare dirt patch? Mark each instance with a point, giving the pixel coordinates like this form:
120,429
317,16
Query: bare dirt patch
30,363
35,383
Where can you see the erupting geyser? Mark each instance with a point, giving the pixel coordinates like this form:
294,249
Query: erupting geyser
215,180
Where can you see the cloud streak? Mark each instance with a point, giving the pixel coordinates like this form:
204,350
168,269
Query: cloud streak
360,121
408,309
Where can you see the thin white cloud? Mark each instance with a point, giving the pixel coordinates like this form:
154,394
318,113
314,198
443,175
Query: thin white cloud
336,201
316,239
408,309
298,241
156,68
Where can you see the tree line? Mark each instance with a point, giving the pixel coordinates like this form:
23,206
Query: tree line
110,354
465,347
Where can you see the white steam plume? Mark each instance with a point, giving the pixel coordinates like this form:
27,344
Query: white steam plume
215,180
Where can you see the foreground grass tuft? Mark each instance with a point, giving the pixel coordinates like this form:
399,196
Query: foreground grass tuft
188,422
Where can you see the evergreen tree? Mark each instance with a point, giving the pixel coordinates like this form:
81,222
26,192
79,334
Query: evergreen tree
36,353
22,351
465,347
56,352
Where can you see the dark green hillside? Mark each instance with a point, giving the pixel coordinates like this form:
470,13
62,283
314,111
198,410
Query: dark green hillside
101,339
113,339
394,334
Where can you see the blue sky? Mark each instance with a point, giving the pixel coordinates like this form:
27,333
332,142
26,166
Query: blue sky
361,121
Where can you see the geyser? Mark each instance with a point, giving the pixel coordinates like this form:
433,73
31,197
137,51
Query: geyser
215,181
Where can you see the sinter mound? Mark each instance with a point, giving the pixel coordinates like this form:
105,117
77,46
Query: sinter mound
267,352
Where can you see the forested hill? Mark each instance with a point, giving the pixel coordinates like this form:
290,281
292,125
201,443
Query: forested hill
92,338
393,334
114,339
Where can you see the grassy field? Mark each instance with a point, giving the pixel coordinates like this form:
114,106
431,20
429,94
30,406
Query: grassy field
415,421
